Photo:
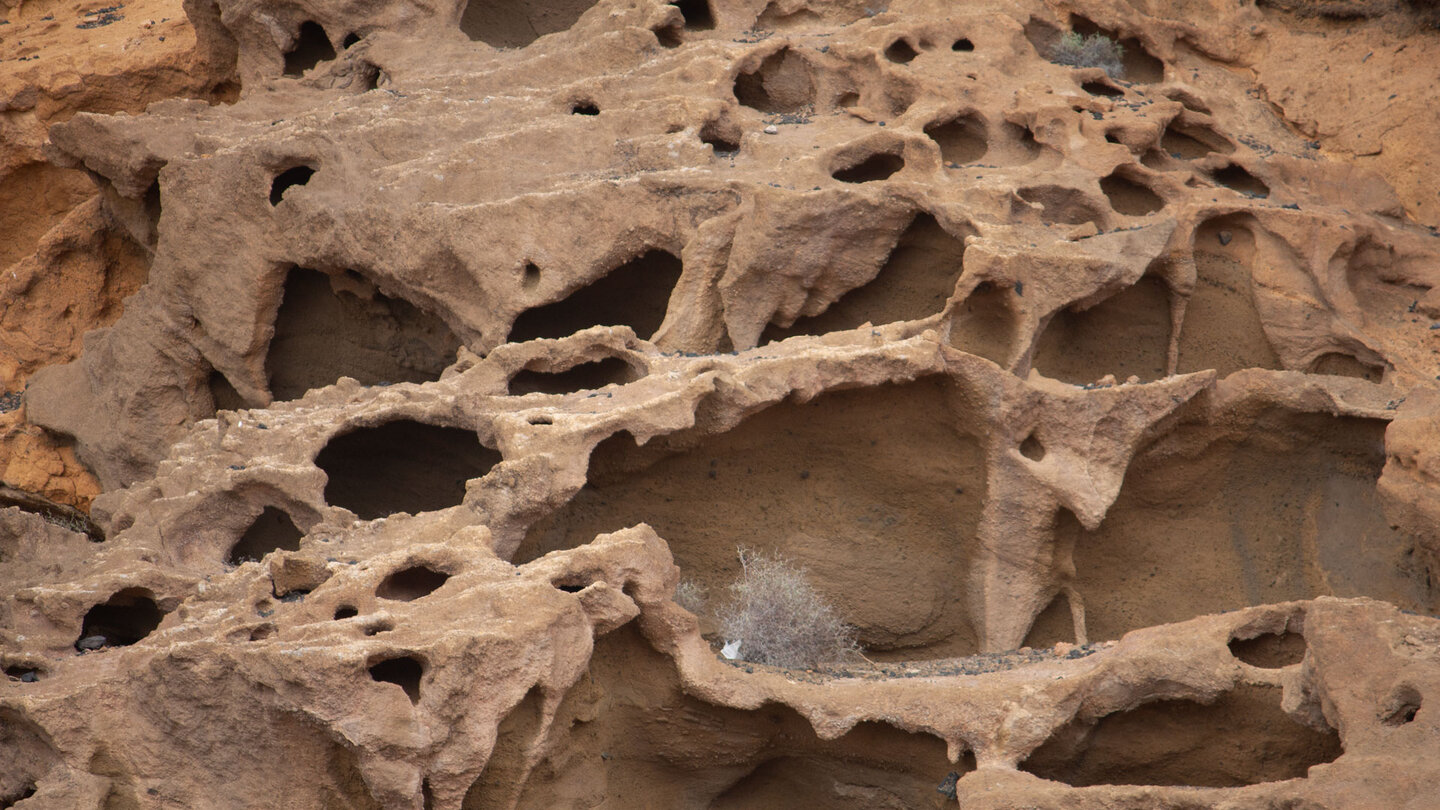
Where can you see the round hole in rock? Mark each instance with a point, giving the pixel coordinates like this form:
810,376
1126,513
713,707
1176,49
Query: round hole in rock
1235,178
1130,197
404,671
350,40
1140,66
1339,364
961,140
312,46
333,325
584,108
402,466
539,420
1099,88
669,36
273,530
410,584
879,166
697,14
23,674
1270,650
1185,140
1401,707
517,23
1032,449
584,377
782,83
123,619
346,612
963,45
723,138
1061,206
530,278
288,179
571,585
901,52
378,627
25,791
1181,742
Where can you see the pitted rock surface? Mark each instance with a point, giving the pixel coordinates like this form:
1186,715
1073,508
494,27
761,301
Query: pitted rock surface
1104,409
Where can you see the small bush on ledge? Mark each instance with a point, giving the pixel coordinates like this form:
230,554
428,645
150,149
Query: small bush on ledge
779,619
1096,50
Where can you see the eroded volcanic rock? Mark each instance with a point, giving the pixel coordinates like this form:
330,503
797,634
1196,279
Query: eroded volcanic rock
1104,408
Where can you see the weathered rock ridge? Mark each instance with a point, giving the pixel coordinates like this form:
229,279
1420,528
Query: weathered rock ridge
434,344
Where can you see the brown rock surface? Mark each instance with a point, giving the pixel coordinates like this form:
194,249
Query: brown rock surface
438,359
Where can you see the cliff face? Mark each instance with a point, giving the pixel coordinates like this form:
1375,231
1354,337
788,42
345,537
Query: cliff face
432,345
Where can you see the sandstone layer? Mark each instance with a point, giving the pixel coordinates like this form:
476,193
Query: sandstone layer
433,345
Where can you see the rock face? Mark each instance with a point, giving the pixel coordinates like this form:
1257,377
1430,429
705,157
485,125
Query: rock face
437,352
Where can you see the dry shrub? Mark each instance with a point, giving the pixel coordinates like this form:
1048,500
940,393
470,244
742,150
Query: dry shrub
1096,50
779,618
692,596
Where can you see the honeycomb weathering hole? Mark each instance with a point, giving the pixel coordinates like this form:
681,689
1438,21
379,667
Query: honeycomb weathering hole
403,671
517,23
273,530
1270,650
1130,197
1126,334
986,322
1401,707
1099,88
123,619
1032,448
1061,206
722,136
822,482
288,179
584,377
901,52
1188,141
1222,328
411,583
1270,510
1339,364
697,13
782,83
312,46
635,294
339,325
915,281
879,166
1185,743
652,732
961,140
1237,179
402,466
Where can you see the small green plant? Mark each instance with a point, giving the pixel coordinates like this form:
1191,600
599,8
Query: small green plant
1096,50
776,617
